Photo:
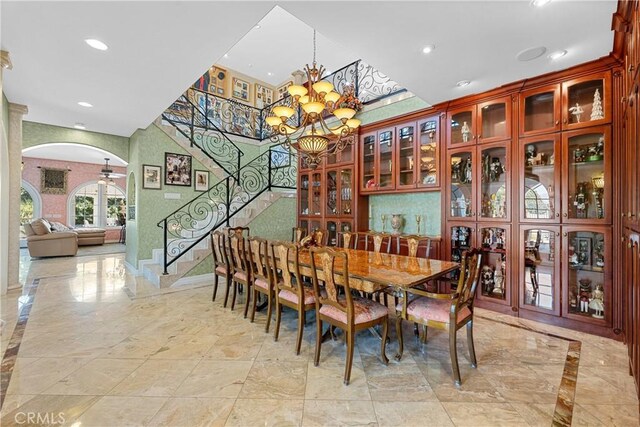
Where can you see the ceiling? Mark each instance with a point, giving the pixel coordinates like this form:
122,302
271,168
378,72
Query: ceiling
157,49
73,153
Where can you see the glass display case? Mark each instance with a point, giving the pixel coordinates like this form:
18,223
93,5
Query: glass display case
461,127
539,268
385,159
461,180
539,178
316,194
494,274
303,194
346,191
459,239
495,183
428,152
540,110
344,156
494,119
331,184
368,162
406,158
586,101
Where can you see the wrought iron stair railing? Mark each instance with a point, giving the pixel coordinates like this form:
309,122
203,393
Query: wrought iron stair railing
191,223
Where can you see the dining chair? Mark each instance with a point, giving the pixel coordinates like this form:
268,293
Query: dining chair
320,236
348,239
381,242
445,311
262,275
241,269
343,310
297,234
239,231
289,288
417,246
221,262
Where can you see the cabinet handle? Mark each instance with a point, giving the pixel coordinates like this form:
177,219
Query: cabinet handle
622,239
631,68
557,214
557,122
630,215
564,234
629,245
557,233
479,136
564,121
565,215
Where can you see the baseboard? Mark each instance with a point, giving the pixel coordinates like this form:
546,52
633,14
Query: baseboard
201,278
131,269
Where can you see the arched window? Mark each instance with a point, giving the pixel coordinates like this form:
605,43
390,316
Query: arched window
30,203
97,205
537,200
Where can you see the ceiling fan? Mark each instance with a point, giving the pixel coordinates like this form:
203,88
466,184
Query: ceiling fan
107,174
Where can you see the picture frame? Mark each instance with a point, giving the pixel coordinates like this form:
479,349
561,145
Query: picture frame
212,81
177,169
583,249
53,181
201,180
283,89
264,95
151,177
240,89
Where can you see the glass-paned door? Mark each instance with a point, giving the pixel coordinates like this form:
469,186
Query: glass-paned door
332,233
461,180
369,162
331,184
495,270
494,182
539,179
316,194
539,269
406,159
460,238
385,159
540,110
304,185
495,120
346,191
461,127
586,101
428,152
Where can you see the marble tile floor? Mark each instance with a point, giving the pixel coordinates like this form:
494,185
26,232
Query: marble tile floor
104,348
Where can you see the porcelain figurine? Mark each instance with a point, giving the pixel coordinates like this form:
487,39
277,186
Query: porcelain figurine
581,200
496,169
577,111
466,132
468,171
486,279
530,154
498,277
597,302
596,107
585,294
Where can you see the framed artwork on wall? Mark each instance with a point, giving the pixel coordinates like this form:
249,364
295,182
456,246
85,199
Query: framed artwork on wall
212,81
264,95
201,180
151,177
53,181
177,169
240,89
282,90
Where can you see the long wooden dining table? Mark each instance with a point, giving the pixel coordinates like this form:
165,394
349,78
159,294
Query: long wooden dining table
371,272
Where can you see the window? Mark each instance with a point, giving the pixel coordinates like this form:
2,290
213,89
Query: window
97,205
537,200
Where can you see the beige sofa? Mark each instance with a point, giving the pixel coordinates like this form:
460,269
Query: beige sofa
46,239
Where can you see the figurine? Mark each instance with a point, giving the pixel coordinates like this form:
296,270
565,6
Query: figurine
456,169
463,234
576,111
581,200
487,237
498,277
578,155
596,107
466,132
585,294
573,260
597,302
573,299
552,159
486,279
468,171
496,169
530,154
499,239
599,254
486,168
454,234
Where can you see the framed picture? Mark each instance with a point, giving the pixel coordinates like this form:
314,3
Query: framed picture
201,180
264,96
53,181
240,89
177,169
151,177
282,90
212,81
583,249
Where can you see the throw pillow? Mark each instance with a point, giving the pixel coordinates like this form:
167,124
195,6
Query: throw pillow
40,227
58,226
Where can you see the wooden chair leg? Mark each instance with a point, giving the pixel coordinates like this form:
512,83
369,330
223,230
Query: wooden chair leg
269,311
472,349
246,304
316,357
278,317
400,337
253,306
226,294
454,354
235,292
350,345
215,286
383,344
424,334
300,331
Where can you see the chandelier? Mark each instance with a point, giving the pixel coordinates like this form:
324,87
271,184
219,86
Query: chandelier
314,138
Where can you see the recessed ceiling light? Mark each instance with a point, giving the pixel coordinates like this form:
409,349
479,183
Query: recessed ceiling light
84,104
540,3
96,44
79,126
257,27
269,73
463,83
428,48
557,54
226,55
531,53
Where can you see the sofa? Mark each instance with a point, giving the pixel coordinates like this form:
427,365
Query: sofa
47,239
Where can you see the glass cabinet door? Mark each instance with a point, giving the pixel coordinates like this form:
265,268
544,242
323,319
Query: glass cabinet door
316,194
461,127
586,176
494,118
495,270
406,160
539,269
494,183
587,291
539,179
540,110
459,239
428,152
304,194
346,192
368,162
586,101
385,160
332,233
331,185
460,196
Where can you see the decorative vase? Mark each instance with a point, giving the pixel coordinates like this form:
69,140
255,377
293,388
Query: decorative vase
396,223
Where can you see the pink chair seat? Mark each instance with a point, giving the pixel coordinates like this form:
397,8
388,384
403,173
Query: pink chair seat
433,309
309,296
262,284
366,310
240,276
221,270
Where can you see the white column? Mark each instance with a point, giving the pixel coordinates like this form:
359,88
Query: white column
5,63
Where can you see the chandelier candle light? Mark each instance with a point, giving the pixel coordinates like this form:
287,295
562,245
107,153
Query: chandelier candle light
314,138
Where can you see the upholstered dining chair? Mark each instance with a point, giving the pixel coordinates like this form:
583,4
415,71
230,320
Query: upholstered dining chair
381,242
220,262
241,268
445,311
297,233
262,275
320,236
417,246
348,239
239,231
290,290
343,310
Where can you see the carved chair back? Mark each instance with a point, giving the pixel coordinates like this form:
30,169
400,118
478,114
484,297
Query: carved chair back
414,245
219,249
238,252
320,236
286,260
468,281
297,234
260,260
332,264
381,242
349,239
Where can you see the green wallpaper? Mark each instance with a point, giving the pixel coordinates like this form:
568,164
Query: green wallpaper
133,172
428,205
39,133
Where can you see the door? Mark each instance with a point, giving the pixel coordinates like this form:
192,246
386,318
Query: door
495,283
494,120
461,127
586,101
386,166
427,157
368,178
494,182
460,177
459,238
540,110
407,161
